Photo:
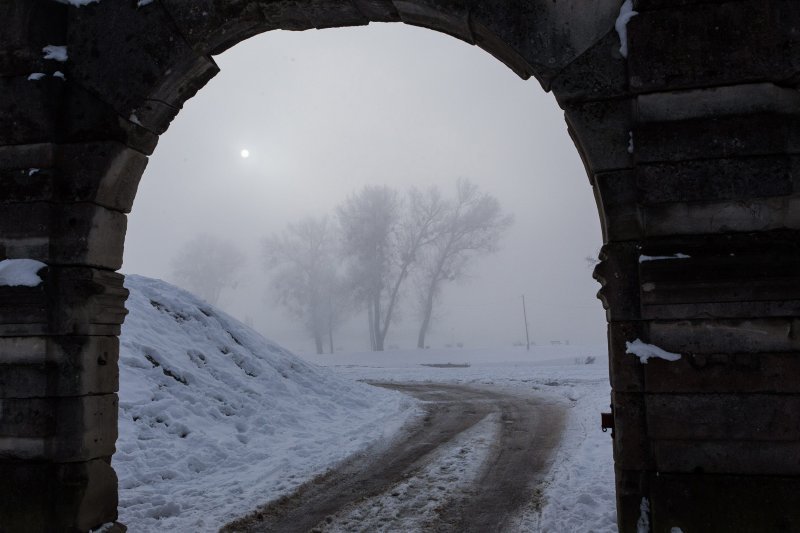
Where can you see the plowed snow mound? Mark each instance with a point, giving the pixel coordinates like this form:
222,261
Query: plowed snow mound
215,419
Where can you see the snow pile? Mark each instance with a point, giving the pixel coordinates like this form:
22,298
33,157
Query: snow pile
645,351
626,13
216,420
78,3
20,272
643,525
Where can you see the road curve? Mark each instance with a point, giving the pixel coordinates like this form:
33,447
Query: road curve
518,457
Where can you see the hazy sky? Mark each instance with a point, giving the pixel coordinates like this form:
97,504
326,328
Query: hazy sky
324,113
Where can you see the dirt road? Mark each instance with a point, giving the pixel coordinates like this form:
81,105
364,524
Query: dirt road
468,465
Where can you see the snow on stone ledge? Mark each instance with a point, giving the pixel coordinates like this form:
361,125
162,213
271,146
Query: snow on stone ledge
644,258
626,13
645,351
56,53
78,3
20,272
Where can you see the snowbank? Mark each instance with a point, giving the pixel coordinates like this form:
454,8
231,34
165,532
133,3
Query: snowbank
216,420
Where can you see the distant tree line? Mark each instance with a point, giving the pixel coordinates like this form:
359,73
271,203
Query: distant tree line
379,246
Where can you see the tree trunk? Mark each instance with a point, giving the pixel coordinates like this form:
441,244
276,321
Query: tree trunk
376,317
426,317
330,335
318,342
371,326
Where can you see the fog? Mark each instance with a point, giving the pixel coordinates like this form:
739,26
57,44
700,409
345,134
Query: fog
323,113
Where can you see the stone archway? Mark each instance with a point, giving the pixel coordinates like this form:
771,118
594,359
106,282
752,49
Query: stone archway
688,142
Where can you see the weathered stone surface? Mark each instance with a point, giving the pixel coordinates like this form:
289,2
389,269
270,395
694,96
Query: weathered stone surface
70,234
27,28
717,179
711,44
599,73
710,336
719,503
452,18
601,131
37,367
618,275
758,214
57,497
746,99
29,109
717,137
743,373
160,67
70,301
728,457
730,417
618,196
103,173
64,429
631,444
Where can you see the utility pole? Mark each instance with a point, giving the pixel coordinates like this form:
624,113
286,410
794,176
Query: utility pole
525,316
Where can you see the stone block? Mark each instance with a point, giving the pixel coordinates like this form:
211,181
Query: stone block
330,13
745,99
627,373
717,179
445,16
617,196
27,28
211,26
739,336
29,110
730,417
704,218
600,73
631,438
378,10
159,64
632,486
711,45
68,234
104,173
37,367
61,429
618,274
728,457
527,29
71,301
601,131
57,497
89,119
737,136
724,503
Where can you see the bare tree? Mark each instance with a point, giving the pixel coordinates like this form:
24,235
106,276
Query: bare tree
306,280
207,265
472,226
383,236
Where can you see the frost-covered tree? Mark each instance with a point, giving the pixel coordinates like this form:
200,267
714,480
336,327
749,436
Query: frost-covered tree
305,276
471,226
382,236
207,265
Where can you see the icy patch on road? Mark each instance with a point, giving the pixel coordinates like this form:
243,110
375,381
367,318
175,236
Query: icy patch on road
416,503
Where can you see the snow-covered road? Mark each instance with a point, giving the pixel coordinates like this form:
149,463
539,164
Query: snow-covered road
467,464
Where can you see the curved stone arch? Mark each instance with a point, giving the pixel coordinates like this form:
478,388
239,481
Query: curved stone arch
689,145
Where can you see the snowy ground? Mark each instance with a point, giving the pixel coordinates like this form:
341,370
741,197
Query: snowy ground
215,420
